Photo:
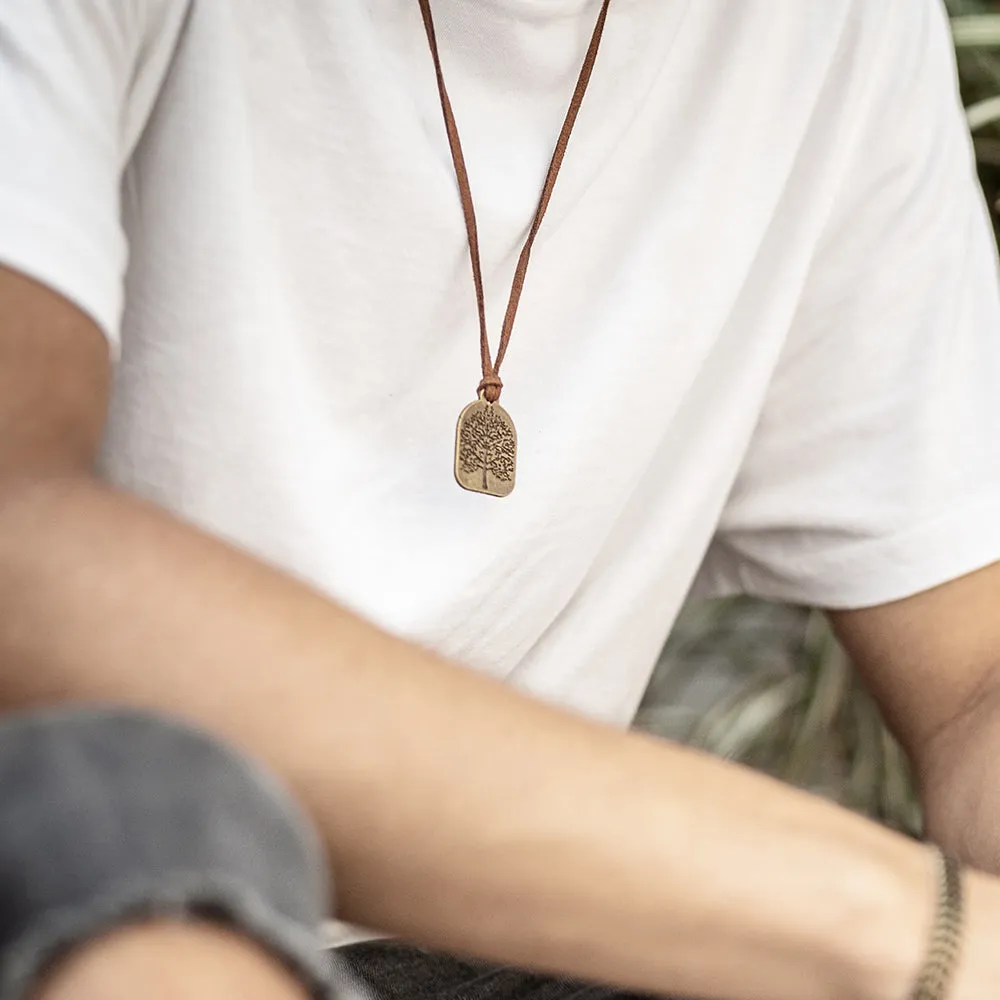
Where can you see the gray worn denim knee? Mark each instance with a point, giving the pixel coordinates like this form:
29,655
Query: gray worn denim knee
110,816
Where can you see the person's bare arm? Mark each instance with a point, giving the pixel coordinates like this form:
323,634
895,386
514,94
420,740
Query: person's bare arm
933,661
456,812
170,961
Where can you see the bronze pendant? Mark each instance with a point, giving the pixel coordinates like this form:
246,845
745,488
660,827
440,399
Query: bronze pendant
486,449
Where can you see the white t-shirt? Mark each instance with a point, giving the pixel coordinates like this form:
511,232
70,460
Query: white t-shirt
760,335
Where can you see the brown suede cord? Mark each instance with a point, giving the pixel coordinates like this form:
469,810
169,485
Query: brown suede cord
490,386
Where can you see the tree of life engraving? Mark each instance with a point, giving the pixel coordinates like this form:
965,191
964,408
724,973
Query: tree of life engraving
487,443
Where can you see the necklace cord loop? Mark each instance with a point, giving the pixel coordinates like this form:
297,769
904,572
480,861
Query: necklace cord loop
491,386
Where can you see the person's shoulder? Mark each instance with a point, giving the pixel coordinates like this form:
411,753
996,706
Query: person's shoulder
126,15
849,30
872,54
860,20
116,31
889,41
898,56
789,36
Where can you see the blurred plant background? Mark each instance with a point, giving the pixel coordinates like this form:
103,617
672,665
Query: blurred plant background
769,686
976,27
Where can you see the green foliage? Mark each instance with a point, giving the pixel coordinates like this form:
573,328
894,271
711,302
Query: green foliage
790,706
976,28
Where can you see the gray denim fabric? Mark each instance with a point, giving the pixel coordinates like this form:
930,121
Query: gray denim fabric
110,816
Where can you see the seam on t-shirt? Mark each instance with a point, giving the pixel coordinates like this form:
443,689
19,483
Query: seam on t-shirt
878,571
39,243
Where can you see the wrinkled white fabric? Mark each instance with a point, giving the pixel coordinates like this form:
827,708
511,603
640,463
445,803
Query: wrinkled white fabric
760,334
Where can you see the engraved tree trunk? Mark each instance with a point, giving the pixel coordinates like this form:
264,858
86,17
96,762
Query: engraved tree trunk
487,445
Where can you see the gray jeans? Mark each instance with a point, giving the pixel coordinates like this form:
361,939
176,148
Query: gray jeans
109,817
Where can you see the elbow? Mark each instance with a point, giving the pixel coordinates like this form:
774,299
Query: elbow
957,777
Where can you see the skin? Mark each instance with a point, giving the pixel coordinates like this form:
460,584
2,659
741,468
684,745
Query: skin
165,961
457,812
933,663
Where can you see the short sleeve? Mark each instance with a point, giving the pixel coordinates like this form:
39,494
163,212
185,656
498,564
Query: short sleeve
874,471
77,80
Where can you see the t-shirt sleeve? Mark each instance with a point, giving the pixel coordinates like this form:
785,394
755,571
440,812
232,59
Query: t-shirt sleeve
77,81
874,471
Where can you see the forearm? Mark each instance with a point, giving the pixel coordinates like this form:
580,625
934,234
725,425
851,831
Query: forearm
457,812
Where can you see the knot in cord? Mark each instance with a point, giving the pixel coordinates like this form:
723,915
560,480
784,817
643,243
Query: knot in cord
490,388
